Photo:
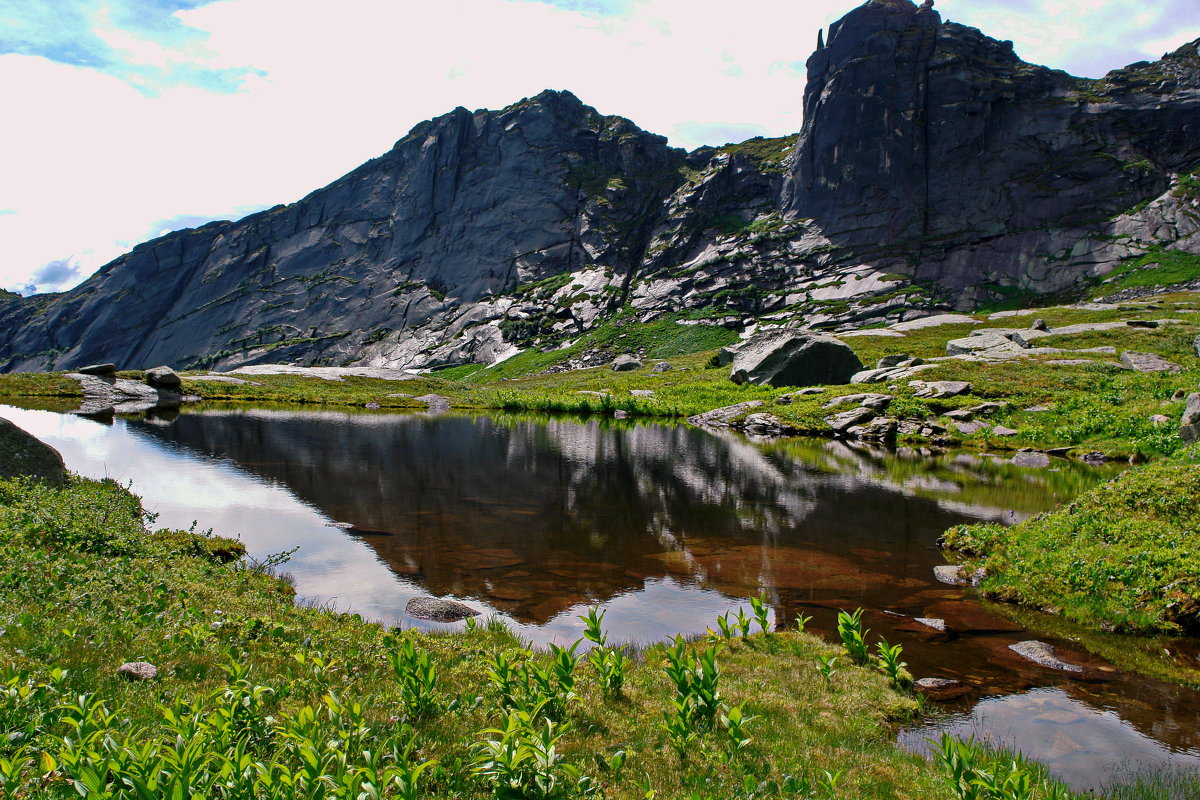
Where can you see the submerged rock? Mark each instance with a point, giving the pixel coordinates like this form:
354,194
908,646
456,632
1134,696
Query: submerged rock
941,688
1043,655
439,609
22,454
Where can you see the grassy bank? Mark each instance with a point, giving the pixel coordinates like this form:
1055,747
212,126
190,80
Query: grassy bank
1088,406
258,697
1125,556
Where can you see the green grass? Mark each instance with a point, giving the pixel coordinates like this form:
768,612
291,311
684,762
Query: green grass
1124,556
265,698
1175,267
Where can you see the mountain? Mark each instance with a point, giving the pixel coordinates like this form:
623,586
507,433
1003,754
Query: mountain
935,169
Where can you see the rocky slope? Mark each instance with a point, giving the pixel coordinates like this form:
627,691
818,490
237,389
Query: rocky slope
935,169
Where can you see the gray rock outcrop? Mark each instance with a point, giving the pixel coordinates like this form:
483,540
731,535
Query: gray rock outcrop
23,455
1148,362
787,358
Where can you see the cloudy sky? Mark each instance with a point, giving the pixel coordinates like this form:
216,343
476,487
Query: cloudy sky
125,119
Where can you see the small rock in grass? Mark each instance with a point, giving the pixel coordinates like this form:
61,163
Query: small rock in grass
642,392
1000,430
663,366
438,609
1160,419
941,688
1141,323
138,671
1040,325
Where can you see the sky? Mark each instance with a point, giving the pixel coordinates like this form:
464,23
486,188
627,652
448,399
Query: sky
126,119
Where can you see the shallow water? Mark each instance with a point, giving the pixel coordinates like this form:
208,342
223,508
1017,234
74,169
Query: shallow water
536,519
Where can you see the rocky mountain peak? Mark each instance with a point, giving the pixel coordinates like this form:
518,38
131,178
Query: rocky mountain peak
934,167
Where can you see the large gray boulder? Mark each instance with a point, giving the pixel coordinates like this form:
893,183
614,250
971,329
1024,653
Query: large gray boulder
788,358
1189,426
24,455
164,378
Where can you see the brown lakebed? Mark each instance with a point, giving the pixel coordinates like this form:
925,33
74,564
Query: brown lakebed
535,519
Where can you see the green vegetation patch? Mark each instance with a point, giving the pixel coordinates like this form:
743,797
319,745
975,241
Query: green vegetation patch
1159,267
767,154
1125,556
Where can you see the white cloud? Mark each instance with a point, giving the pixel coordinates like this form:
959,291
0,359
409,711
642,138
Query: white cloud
103,157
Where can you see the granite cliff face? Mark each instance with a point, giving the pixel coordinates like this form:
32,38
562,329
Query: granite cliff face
934,169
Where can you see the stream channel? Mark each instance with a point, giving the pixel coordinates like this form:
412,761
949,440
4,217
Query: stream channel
534,519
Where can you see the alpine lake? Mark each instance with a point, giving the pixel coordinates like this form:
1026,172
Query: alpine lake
534,519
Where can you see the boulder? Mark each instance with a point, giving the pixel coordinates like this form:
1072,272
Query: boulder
138,671
1039,325
1147,362
849,419
876,402
762,424
1189,426
881,430
24,455
721,417
163,378
788,358
898,360
939,390
1160,419
438,609
662,366
888,374
625,363
986,344
98,369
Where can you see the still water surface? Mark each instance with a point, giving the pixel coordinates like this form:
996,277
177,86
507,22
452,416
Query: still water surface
535,519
